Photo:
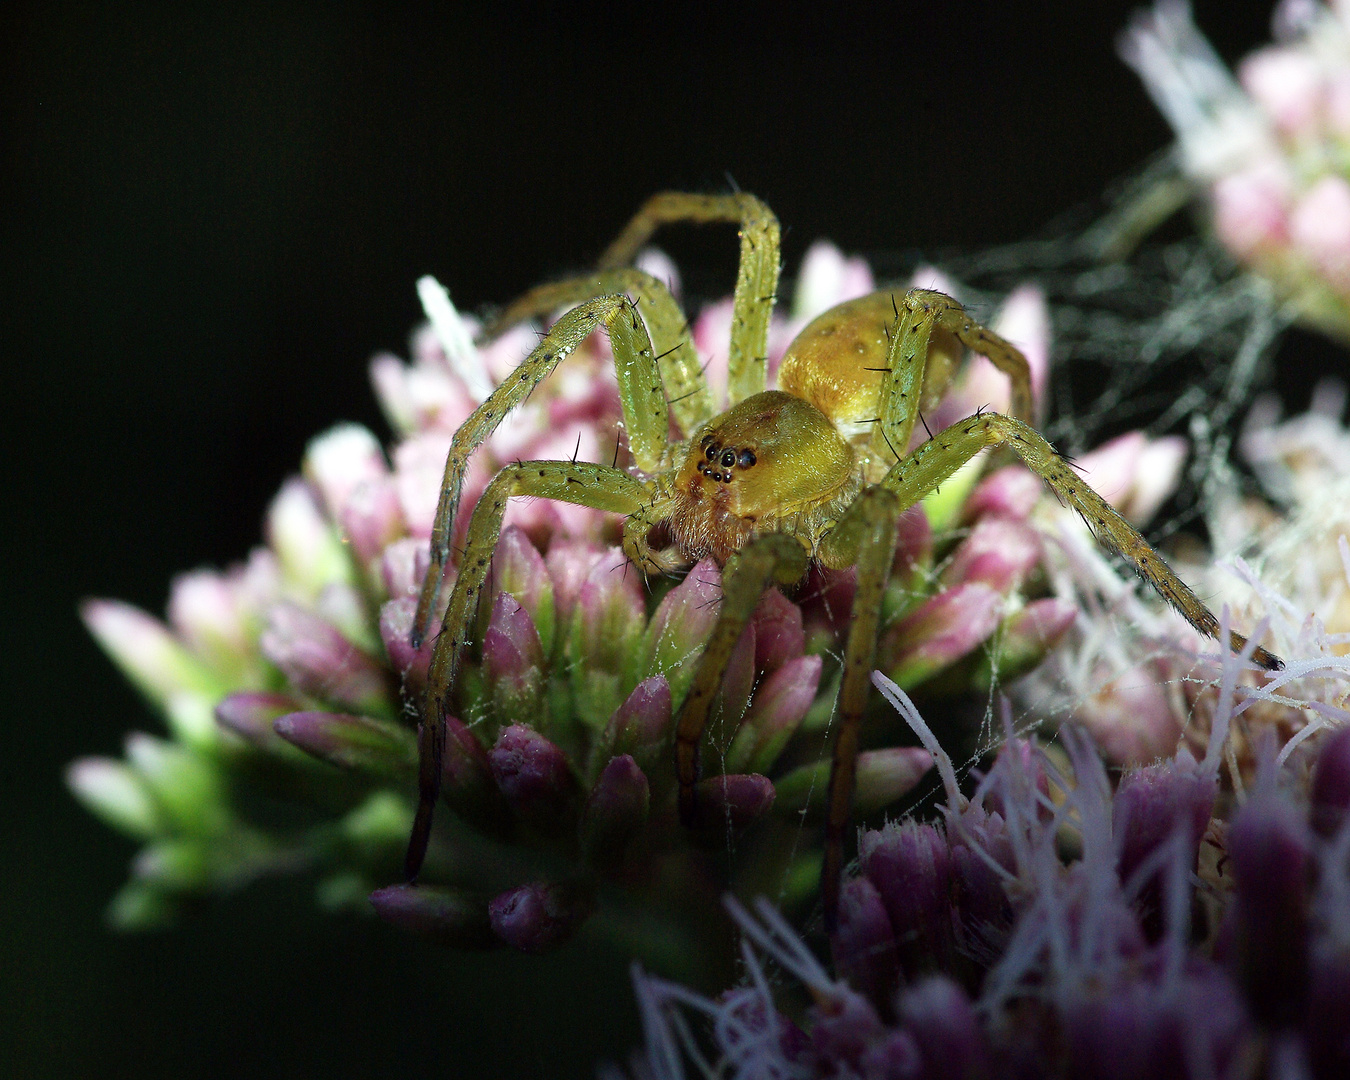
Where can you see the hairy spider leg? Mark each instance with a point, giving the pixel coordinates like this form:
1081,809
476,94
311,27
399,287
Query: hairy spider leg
920,314
686,388
756,277
584,483
865,537
938,458
641,395
766,560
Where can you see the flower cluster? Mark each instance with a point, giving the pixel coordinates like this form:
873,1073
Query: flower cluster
291,691
1055,924
1270,150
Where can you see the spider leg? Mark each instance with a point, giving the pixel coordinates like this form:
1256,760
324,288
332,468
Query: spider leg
925,322
773,558
641,394
579,482
937,459
756,280
865,537
686,389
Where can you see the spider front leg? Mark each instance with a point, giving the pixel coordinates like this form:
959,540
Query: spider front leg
775,557
949,449
641,394
756,278
597,486
676,357
864,537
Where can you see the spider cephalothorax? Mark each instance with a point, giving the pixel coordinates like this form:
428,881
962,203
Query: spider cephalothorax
816,471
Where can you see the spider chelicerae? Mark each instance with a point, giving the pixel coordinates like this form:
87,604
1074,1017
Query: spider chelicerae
815,471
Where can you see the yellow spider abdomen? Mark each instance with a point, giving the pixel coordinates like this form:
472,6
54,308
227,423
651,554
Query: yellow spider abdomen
837,361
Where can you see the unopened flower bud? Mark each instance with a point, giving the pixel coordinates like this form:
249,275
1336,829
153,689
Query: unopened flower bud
779,636
540,916
536,779
944,1023
641,726
779,706
616,810
519,569
340,460
1010,492
606,632
308,548
863,944
1320,228
999,552
320,661
451,917
371,518
359,743
1330,793
250,715
187,787
1269,852
410,665
910,864
512,660
944,629
680,627
115,793
734,800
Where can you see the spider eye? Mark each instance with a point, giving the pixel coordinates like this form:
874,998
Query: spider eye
746,459
712,453
728,458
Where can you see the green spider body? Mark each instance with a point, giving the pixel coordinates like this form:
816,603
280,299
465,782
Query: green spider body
817,470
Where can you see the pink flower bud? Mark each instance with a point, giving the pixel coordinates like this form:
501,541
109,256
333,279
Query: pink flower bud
341,460
410,665
210,611
306,545
403,565
512,660
538,917
886,775
1320,228
536,779
1287,83
910,864
451,917
863,944
733,800
569,563
1251,209
999,552
680,627
467,783
115,793
827,278
250,714
944,629
778,709
319,661
779,636
371,518
616,811
1134,473
360,743
642,726
519,569
1130,716
1009,492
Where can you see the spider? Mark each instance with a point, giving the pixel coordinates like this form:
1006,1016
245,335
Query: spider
815,471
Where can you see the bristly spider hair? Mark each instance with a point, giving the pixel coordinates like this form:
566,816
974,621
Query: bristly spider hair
810,472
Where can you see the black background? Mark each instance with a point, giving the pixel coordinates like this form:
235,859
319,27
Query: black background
212,220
